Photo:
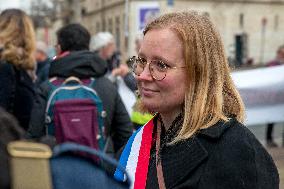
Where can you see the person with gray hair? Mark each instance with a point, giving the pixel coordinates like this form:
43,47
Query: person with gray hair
103,44
43,62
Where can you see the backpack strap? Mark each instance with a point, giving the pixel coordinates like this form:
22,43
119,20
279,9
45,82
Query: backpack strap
91,83
159,167
72,79
53,82
73,147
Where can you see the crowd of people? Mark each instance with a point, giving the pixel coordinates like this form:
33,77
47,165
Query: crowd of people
193,135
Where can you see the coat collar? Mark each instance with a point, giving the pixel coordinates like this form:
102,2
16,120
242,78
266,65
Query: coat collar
81,64
217,130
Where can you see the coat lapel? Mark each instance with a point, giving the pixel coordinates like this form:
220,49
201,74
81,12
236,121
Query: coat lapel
190,154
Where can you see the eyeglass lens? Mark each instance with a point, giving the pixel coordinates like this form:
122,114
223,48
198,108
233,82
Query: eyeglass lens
157,68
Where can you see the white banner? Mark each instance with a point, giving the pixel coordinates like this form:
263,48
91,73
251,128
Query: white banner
127,96
262,90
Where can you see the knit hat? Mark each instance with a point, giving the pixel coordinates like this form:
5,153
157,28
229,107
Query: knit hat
100,40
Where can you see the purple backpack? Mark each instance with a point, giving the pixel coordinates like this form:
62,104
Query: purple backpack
74,112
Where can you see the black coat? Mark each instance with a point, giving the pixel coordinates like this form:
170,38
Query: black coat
42,71
16,92
224,156
85,64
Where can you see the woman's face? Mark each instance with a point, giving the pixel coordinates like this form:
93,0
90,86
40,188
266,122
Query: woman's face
167,95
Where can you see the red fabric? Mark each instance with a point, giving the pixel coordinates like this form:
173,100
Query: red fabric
65,53
144,156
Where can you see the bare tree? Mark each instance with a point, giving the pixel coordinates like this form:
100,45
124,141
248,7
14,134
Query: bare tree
71,11
44,12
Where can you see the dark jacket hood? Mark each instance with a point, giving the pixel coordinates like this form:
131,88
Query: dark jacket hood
80,64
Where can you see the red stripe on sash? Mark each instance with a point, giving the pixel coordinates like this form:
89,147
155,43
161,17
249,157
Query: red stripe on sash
144,156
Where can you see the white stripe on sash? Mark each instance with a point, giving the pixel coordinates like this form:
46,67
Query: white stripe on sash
133,156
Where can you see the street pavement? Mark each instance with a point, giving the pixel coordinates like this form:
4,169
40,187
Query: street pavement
276,153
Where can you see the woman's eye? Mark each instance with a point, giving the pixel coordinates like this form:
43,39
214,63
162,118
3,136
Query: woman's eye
141,61
161,65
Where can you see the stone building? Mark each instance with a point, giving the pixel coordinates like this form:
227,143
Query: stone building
251,29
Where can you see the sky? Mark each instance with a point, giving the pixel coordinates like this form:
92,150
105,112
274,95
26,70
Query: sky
23,4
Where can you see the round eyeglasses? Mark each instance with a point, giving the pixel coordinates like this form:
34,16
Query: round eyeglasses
158,69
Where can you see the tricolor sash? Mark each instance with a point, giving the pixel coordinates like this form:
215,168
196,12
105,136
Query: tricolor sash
136,155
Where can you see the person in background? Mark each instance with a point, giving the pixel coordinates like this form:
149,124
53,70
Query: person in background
9,131
196,138
103,43
118,73
279,60
17,64
75,59
43,62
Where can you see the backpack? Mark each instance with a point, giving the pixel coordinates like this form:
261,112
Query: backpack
61,168
74,112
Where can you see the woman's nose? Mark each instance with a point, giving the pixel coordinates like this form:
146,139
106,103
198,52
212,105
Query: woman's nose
146,74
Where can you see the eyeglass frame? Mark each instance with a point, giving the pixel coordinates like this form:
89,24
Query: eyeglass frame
167,67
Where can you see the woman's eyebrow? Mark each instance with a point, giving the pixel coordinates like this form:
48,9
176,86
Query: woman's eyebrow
140,54
164,60
155,57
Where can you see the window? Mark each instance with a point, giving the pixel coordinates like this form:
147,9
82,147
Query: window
110,25
276,22
98,27
206,14
241,20
104,24
117,30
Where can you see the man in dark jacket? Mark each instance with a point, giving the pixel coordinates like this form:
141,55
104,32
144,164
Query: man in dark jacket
75,59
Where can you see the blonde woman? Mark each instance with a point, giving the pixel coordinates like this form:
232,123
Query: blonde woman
17,44
196,139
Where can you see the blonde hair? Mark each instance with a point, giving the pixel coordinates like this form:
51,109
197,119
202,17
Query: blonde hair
18,38
211,95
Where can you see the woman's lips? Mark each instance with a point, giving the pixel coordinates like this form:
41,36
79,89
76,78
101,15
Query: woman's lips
148,92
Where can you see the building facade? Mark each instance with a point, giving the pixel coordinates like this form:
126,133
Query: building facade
99,15
251,29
